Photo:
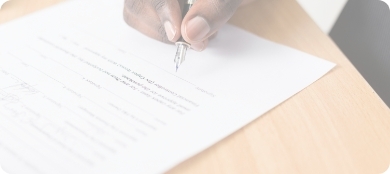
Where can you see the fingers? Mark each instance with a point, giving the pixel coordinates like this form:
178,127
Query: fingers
148,24
162,20
158,19
200,46
170,16
206,17
246,2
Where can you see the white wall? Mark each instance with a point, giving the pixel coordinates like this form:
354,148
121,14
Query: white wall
323,12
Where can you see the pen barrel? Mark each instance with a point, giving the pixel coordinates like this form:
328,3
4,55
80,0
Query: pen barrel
187,6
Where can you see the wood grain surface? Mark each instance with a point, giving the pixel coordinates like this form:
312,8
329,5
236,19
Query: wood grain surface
337,125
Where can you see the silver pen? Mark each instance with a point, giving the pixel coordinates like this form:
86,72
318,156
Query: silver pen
181,44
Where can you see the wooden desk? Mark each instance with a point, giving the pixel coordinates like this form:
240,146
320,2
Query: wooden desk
337,125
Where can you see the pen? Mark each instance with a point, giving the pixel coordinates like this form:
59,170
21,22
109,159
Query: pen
181,44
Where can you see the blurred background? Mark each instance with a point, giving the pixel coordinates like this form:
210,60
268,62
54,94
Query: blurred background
361,29
324,12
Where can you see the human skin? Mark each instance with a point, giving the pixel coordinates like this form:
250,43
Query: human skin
162,19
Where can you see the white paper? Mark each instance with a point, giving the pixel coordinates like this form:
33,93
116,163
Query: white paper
2,171
81,92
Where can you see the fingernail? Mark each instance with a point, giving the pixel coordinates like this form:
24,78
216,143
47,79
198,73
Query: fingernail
171,32
197,28
198,46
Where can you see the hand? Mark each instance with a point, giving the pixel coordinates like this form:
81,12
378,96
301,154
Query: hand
162,19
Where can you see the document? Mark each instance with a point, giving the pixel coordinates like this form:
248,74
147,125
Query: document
81,92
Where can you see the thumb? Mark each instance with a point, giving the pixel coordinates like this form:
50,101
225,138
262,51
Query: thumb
206,17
